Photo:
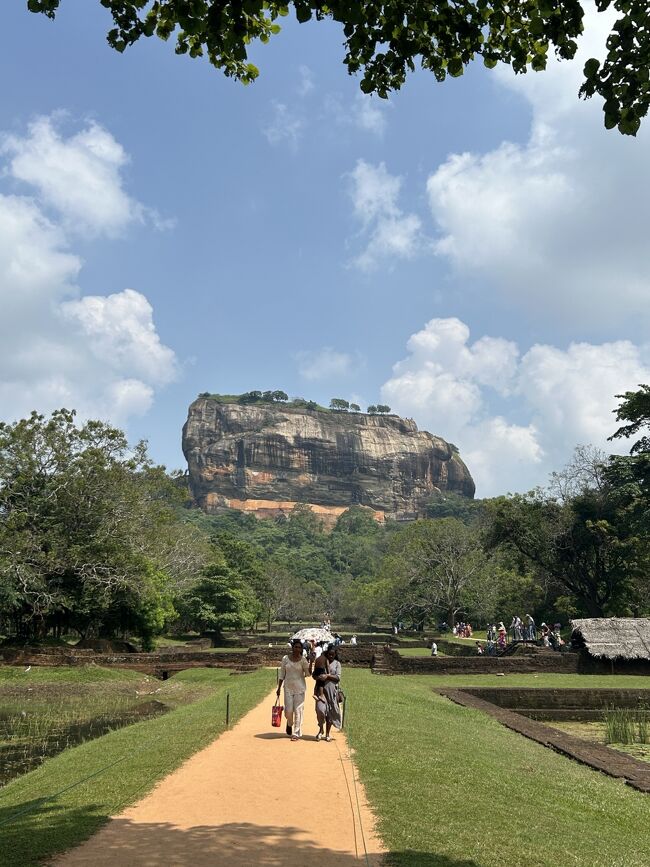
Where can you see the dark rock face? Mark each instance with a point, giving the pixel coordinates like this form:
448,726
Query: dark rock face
266,458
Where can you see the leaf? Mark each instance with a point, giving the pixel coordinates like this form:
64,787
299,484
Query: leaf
591,68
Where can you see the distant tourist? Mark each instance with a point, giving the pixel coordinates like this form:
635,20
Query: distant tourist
479,648
293,673
531,631
353,641
502,639
434,649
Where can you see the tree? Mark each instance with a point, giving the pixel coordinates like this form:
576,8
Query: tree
584,540
372,409
339,404
451,505
382,408
220,600
437,567
635,409
90,535
280,396
383,42
355,407
250,396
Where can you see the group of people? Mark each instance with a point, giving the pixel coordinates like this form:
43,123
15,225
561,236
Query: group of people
523,630
319,662
462,630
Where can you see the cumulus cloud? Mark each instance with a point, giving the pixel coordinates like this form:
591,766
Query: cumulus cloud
515,417
558,223
79,177
58,347
326,363
389,232
284,127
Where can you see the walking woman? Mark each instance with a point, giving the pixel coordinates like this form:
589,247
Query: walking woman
326,693
292,673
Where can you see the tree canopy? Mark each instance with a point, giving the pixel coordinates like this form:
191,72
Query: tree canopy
383,41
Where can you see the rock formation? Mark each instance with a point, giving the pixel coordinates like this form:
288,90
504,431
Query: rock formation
267,457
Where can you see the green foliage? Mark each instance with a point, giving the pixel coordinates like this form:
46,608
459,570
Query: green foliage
220,600
339,404
372,409
437,568
634,409
450,505
586,544
90,537
385,43
382,408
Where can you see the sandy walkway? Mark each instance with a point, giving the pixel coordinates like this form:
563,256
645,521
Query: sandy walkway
252,797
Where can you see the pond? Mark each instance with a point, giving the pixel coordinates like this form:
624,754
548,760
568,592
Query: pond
34,732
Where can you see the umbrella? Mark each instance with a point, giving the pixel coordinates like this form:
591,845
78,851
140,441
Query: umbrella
313,633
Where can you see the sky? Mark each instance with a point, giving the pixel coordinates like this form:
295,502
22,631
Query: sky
474,254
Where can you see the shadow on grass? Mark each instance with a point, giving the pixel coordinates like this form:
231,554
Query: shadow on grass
35,829
122,843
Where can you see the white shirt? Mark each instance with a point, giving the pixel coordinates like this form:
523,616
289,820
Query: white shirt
293,674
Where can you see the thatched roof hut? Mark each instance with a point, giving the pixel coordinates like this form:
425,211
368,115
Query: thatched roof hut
613,637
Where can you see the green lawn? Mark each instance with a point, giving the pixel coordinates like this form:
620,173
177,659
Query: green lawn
70,796
451,786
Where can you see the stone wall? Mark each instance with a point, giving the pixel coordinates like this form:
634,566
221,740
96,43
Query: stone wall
565,663
355,657
561,704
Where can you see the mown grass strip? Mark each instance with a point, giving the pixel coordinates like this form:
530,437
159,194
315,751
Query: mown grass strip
115,770
451,787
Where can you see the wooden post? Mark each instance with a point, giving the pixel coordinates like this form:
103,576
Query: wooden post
227,708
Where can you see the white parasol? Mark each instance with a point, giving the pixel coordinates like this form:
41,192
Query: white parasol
313,633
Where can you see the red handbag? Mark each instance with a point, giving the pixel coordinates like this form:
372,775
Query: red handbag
276,714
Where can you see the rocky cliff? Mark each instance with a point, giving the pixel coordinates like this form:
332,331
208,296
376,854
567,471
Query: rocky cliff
266,458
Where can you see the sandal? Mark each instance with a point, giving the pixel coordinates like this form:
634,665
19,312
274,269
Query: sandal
295,738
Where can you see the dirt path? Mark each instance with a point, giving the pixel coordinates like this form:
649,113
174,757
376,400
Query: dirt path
252,797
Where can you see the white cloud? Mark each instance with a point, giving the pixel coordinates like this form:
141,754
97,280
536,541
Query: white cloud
99,355
515,418
326,363
306,83
369,115
79,177
366,113
284,127
121,334
391,234
557,224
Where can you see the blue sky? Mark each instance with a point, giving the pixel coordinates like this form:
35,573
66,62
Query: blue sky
473,253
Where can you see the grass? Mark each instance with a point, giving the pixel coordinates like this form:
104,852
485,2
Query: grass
595,730
451,786
70,796
555,681
416,651
626,726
